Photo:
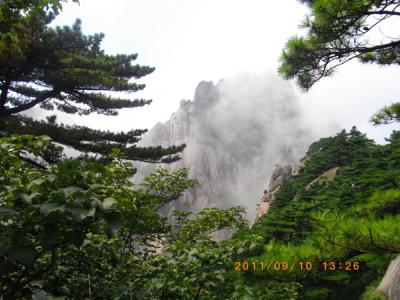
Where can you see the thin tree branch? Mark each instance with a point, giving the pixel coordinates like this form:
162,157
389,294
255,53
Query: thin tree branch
26,106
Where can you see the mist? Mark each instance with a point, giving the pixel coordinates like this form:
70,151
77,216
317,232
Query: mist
236,132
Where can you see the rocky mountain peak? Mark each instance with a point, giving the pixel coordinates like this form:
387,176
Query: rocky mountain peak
279,176
234,131
205,95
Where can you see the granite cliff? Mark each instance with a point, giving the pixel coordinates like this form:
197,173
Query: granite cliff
235,132
279,176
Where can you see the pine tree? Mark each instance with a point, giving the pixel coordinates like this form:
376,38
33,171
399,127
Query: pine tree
337,33
387,115
61,68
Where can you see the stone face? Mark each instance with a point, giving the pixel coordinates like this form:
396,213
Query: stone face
264,207
205,96
324,177
301,164
280,175
390,284
234,134
270,196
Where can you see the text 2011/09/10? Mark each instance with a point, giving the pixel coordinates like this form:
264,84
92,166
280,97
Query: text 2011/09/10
299,265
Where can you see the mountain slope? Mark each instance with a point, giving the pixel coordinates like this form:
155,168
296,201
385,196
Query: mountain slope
350,221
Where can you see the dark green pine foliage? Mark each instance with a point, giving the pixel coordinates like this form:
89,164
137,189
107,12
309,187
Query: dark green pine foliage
387,115
394,149
353,217
289,224
337,32
90,140
364,168
63,69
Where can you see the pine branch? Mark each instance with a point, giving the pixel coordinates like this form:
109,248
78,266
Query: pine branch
14,110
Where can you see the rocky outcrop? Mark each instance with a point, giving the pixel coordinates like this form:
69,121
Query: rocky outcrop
300,165
234,131
325,177
279,176
390,284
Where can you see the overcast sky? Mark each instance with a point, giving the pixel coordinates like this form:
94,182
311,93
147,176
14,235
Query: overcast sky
193,40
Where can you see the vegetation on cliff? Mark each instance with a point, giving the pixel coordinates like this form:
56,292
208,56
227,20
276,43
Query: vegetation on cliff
352,219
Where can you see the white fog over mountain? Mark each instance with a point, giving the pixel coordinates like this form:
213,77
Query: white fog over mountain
235,132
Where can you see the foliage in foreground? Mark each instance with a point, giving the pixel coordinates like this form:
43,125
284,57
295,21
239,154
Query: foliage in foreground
80,229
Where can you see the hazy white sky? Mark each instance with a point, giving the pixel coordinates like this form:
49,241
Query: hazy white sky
193,40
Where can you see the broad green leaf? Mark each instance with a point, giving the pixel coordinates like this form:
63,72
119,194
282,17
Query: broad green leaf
113,222
71,190
38,181
49,238
23,254
6,211
79,214
47,208
75,237
108,203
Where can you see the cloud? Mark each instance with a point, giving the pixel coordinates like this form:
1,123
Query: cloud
236,131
